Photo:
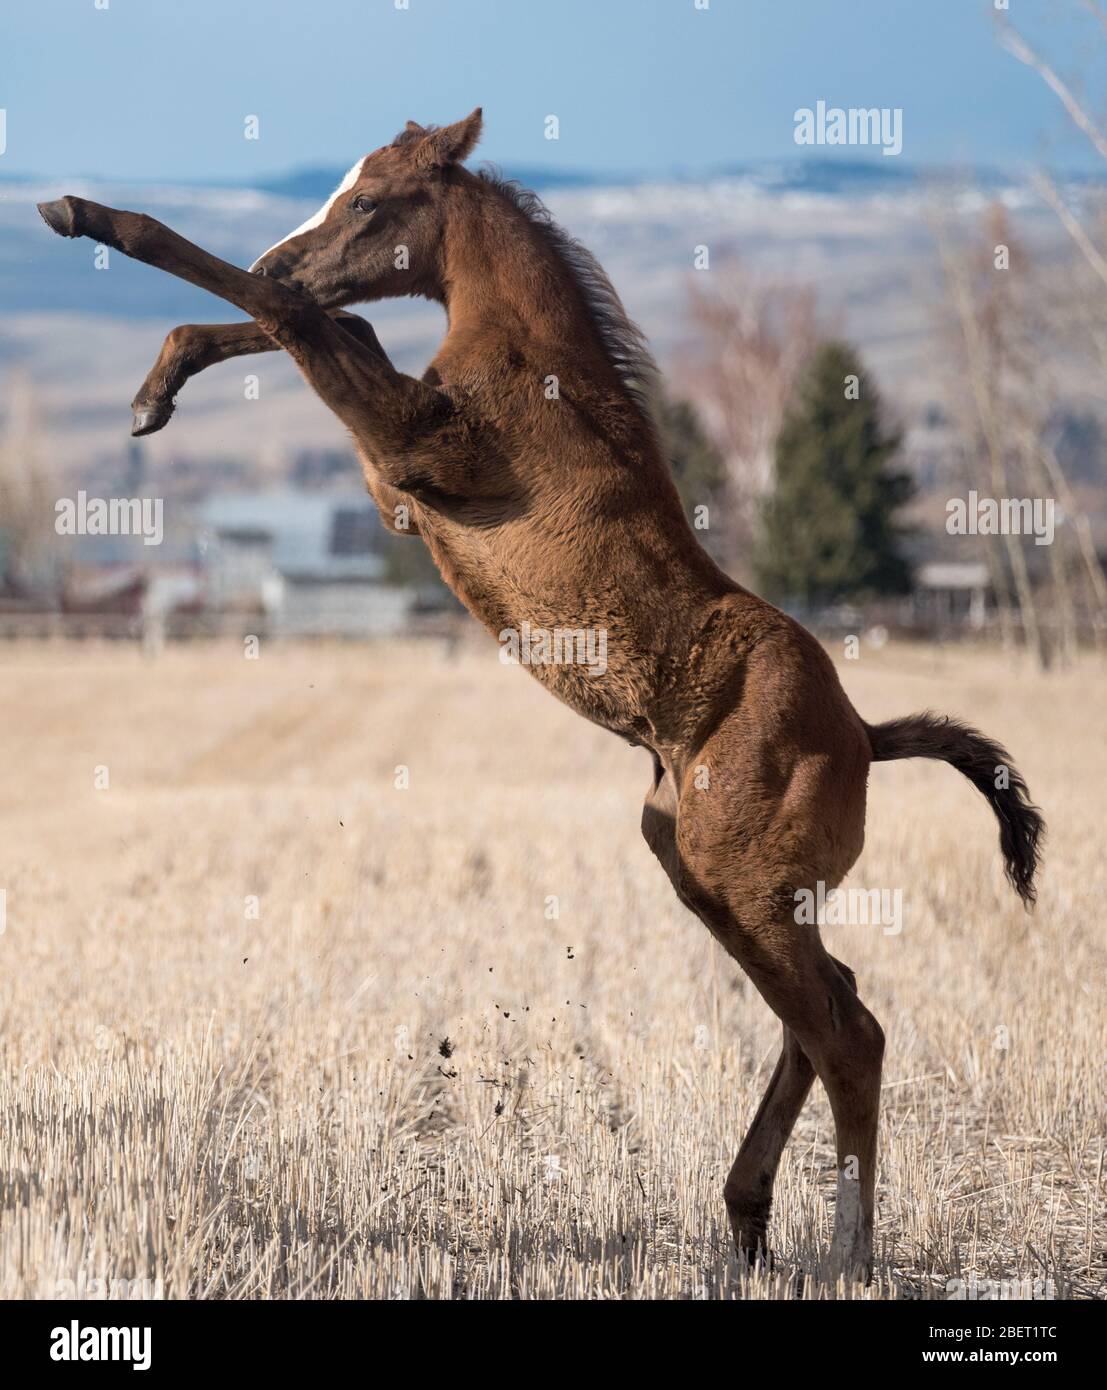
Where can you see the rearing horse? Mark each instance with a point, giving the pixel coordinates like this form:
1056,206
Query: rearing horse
527,461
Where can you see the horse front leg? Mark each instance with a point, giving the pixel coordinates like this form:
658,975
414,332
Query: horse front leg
292,320
189,349
419,440
193,347
145,239
359,384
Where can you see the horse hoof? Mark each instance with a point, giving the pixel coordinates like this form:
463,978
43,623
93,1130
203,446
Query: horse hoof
148,419
853,1267
753,1257
61,215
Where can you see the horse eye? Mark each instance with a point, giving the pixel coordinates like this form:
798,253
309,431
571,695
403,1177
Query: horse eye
363,204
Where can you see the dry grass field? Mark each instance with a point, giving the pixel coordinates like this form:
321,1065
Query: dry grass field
273,1027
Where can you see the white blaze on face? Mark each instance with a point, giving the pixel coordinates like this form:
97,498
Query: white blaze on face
321,216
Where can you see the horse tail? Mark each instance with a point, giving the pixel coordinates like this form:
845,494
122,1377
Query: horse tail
989,768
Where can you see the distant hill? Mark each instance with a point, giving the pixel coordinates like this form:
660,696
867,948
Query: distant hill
855,228
814,174
319,182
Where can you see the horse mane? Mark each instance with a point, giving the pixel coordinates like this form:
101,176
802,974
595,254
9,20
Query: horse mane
622,339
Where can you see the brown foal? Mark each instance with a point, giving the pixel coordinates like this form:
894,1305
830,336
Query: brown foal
527,461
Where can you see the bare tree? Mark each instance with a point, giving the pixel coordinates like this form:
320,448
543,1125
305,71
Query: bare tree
753,336
26,492
980,309
1006,397
1090,315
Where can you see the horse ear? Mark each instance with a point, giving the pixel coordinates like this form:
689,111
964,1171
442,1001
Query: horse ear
452,144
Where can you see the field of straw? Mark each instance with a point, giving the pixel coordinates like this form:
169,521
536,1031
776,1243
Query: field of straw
274,1026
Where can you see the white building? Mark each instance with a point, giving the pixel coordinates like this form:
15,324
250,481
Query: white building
311,562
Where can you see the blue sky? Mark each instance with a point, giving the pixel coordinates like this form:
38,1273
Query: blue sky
160,88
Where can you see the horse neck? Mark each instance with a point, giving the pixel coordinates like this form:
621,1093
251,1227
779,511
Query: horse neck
501,271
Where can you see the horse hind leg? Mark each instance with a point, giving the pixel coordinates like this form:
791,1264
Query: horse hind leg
852,1081
745,847
844,1045
749,1185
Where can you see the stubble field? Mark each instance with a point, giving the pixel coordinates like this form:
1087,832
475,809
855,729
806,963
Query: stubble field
274,1026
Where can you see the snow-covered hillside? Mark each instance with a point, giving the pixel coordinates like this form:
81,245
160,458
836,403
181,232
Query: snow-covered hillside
87,336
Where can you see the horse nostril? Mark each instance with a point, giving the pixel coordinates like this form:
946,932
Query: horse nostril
259,270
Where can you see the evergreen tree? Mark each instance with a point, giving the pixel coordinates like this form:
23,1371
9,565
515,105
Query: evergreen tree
830,528
697,464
